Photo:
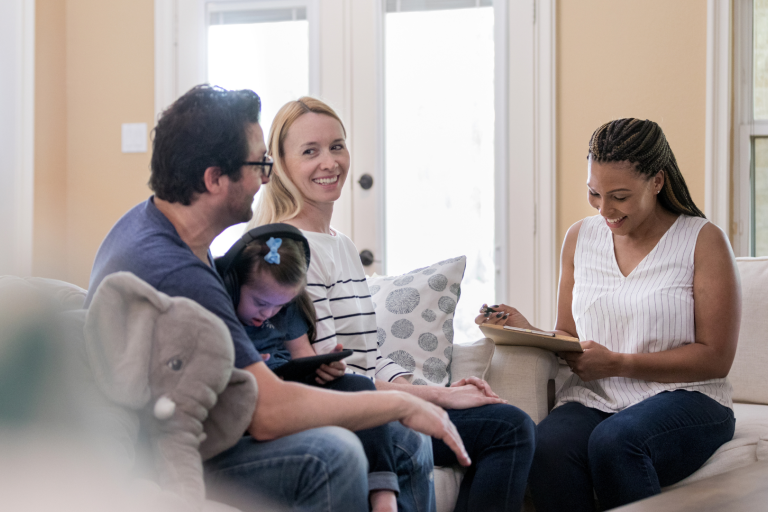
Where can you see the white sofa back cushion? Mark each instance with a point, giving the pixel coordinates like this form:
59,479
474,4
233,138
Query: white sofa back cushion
747,375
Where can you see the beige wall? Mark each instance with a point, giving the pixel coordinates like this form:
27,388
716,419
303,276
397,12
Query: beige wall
103,76
50,207
634,58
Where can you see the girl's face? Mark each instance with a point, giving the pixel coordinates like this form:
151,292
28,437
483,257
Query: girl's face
623,197
316,157
263,299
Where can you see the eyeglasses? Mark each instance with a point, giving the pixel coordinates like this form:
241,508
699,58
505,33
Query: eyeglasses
266,166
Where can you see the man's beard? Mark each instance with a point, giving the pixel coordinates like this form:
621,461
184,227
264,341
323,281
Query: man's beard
240,206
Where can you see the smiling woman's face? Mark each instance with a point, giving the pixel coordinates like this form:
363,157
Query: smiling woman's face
624,197
316,157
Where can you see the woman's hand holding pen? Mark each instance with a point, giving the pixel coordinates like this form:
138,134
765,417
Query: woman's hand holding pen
502,314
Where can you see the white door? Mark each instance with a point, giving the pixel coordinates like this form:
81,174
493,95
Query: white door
449,112
437,174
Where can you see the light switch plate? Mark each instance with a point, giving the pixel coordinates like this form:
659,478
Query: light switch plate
134,137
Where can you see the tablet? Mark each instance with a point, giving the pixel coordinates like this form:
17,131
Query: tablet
303,369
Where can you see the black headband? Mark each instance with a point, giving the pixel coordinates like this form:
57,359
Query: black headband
225,264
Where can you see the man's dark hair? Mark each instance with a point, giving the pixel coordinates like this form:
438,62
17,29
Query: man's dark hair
204,128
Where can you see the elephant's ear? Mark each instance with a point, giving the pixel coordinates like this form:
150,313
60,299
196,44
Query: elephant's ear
119,333
231,415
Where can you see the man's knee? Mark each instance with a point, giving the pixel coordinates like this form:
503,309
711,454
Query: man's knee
412,446
336,444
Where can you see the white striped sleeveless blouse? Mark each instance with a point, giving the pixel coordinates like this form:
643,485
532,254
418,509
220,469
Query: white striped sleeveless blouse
650,310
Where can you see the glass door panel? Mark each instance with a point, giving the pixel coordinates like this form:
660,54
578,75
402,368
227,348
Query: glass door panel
266,50
760,196
439,144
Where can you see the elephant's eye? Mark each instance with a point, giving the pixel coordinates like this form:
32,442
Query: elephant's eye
175,364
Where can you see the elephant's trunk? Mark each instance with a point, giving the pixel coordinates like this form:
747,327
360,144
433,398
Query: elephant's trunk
176,443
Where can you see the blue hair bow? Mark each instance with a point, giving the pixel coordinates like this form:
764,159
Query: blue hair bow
273,257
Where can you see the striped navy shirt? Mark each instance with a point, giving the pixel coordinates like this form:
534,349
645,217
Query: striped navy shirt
650,310
336,283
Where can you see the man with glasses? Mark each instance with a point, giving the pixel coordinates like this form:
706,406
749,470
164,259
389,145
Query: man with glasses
208,161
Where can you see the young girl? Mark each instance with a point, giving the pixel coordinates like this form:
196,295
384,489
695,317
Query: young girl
266,274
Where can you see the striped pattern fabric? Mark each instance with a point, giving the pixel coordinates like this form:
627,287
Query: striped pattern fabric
337,285
650,310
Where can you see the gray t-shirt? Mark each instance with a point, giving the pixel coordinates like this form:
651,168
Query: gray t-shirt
145,243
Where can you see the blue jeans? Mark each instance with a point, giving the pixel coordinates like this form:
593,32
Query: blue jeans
500,441
626,456
399,459
318,470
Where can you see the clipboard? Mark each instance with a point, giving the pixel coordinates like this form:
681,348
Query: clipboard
502,335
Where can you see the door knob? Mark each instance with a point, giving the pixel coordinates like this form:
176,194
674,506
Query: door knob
366,257
366,181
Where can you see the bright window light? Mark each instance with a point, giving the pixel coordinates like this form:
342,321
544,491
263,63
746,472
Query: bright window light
269,57
439,157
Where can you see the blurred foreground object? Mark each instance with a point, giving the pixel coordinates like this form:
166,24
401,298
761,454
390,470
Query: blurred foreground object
79,426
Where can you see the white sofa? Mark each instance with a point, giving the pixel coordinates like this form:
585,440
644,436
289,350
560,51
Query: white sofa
528,377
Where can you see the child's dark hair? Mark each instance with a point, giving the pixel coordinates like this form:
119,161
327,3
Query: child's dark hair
291,271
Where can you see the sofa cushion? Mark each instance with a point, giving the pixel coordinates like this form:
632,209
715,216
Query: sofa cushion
67,295
749,444
414,316
747,374
447,484
472,359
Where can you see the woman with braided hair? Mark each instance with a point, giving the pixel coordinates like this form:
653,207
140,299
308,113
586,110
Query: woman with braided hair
650,288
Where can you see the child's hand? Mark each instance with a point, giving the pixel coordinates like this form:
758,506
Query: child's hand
328,372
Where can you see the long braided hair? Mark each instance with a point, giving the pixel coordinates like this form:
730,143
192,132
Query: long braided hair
644,144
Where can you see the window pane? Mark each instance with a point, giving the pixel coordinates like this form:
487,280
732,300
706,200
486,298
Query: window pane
760,56
439,148
760,189
269,57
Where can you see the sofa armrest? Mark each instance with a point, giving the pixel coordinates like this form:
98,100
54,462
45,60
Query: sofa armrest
525,377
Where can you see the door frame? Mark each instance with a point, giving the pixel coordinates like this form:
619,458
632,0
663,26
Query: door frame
18,129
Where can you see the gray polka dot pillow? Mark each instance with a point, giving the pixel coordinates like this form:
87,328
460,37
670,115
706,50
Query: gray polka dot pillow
414,316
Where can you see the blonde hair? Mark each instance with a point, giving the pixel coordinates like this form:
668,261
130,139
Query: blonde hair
280,199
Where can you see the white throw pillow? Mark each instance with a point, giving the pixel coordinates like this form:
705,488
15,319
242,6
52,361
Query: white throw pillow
414,316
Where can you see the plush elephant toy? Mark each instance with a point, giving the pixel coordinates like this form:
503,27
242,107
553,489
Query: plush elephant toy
171,361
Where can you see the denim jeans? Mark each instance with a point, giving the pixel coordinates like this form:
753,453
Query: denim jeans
626,456
318,470
500,441
399,459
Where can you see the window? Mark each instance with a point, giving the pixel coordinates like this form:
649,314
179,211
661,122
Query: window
439,143
759,139
259,46
751,133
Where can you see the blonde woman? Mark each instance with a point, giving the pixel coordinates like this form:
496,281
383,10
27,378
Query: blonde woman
308,144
